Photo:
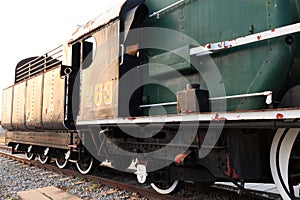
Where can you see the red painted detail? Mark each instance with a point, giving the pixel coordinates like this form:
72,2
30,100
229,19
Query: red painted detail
230,171
208,46
229,46
273,30
234,174
131,118
179,158
258,37
279,116
217,118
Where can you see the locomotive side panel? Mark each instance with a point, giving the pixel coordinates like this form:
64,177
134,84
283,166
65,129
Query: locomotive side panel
34,101
7,103
53,100
264,65
19,102
99,98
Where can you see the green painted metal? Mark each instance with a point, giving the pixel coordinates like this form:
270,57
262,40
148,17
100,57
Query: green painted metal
256,67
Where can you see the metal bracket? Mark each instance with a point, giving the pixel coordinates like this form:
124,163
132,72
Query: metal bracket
141,173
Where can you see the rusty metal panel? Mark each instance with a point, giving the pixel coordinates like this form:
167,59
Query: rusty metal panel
53,139
34,95
7,103
19,100
99,97
53,100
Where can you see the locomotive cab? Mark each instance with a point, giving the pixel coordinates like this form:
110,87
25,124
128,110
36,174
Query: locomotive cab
114,72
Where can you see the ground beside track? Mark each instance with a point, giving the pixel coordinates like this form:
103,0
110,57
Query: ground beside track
14,175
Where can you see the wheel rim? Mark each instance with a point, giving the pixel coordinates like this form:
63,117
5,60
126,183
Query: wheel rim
281,160
165,188
61,162
29,156
43,159
84,167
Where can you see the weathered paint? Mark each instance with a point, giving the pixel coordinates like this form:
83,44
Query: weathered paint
104,18
269,34
256,63
292,113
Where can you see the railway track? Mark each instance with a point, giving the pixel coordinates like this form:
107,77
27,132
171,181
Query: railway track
126,182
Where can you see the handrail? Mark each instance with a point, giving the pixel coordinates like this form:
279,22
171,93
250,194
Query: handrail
39,64
157,13
268,95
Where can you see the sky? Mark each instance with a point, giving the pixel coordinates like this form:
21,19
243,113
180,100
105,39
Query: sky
34,27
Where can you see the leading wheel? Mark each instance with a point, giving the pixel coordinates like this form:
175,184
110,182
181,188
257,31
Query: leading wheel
43,159
85,166
285,162
165,188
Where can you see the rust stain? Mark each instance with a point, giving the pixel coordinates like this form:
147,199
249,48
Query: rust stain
197,139
218,118
132,118
279,116
208,46
259,37
230,171
179,158
273,30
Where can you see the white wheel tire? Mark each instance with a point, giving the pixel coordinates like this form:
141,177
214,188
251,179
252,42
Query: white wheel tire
30,156
284,155
43,161
86,171
165,191
61,166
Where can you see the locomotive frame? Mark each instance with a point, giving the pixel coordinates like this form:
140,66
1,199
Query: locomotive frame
47,111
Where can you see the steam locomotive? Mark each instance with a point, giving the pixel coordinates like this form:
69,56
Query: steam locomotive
172,91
